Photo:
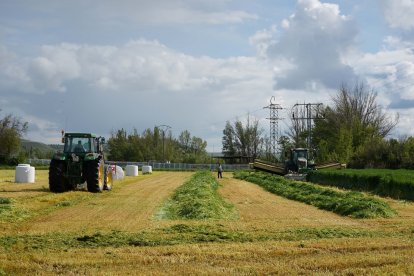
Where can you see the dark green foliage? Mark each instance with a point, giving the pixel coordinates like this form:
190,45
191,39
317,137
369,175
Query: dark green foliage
198,198
38,150
9,212
381,153
242,140
11,131
155,145
5,200
353,204
5,205
397,184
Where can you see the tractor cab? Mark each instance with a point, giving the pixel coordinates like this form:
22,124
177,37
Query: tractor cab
299,160
79,143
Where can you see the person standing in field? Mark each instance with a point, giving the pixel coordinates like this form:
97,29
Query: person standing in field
219,171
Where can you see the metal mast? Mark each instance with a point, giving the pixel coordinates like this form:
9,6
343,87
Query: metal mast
307,112
274,125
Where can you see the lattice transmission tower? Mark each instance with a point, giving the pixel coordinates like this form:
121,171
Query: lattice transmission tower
274,125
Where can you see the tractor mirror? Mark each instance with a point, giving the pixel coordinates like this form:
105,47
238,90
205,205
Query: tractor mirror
63,140
103,140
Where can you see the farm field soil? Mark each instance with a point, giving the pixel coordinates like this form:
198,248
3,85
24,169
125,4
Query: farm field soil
272,235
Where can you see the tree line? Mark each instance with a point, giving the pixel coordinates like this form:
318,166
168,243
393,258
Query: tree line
354,130
157,145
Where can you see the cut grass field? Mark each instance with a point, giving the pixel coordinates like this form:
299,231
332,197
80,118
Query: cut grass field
353,204
197,198
119,233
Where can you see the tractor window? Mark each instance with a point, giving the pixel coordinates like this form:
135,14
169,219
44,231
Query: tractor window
77,145
299,154
94,145
295,155
303,154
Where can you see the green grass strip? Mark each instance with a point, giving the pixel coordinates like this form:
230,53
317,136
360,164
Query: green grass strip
353,204
9,212
398,184
198,198
179,234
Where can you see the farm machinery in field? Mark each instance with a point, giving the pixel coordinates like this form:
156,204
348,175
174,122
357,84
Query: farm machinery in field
82,160
296,166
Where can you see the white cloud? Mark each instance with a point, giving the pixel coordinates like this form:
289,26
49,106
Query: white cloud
390,70
263,39
175,11
160,12
12,69
399,13
311,47
405,123
138,84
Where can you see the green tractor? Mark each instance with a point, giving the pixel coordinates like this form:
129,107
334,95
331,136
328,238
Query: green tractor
82,160
299,161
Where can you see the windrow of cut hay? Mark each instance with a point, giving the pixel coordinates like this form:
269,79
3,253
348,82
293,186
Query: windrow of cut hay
398,184
198,198
353,204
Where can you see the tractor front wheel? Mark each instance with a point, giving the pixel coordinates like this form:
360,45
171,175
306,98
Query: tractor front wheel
56,177
95,176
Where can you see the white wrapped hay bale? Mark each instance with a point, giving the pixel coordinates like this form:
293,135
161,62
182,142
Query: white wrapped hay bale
25,174
131,170
117,172
146,169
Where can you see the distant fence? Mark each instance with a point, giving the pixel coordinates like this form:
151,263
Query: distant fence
162,166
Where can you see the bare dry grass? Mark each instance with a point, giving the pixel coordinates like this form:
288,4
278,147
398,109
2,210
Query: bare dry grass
265,210
116,233
127,208
329,256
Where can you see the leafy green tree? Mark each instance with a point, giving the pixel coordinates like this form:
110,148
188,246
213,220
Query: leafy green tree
11,131
118,145
408,153
242,139
352,123
228,140
185,141
344,145
285,144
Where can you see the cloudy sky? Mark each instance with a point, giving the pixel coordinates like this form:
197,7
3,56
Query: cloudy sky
98,66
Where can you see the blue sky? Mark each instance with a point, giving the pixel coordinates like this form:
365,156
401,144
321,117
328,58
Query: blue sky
99,66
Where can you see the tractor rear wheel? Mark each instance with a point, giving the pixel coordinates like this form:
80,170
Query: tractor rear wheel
56,177
108,178
95,176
